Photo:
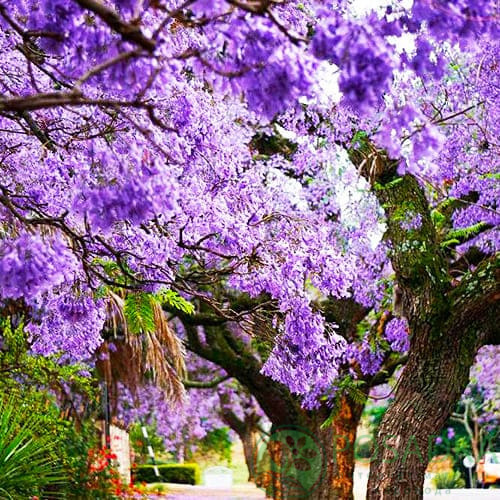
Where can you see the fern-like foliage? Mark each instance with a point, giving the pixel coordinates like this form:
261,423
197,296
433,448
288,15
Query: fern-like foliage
448,480
173,299
139,313
350,388
457,236
18,362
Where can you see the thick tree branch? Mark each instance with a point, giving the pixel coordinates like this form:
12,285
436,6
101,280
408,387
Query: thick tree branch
476,304
194,384
130,32
388,369
274,398
196,319
72,98
345,313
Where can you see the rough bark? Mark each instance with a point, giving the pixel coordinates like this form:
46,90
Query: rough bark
332,477
435,376
448,324
345,425
250,440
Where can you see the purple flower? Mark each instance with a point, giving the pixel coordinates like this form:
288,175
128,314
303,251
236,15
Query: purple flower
31,265
413,222
396,333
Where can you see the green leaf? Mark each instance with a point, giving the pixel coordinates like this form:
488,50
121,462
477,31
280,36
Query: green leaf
350,388
456,236
495,176
29,460
139,313
173,299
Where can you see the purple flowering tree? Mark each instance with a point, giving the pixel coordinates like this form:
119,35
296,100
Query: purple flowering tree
212,401
478,410
242,354
266,146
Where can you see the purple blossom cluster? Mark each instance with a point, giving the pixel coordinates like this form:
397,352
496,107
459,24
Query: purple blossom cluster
201,412
139,193
484,376
460,18
397,334
66,326
362,54
180,427
31,265
368,357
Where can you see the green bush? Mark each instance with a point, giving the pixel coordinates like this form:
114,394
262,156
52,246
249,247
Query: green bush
29,460
140,444
169,473
216,442
448,480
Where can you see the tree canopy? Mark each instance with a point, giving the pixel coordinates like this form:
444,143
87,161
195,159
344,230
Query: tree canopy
286,156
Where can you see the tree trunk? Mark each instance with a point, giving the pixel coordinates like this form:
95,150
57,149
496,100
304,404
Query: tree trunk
316,463
346,425
284,410
435,376
425,397
448,323
249,439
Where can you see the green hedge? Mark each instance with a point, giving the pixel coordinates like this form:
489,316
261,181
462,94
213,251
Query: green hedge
169,473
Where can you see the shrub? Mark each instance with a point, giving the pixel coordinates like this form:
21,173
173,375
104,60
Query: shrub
169,473
216,442
29,462
448,480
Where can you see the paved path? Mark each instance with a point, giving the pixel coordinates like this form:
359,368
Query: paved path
244,492
237,492
473,494
250,491
361,473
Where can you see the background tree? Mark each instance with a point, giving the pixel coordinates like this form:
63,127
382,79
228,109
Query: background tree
242,356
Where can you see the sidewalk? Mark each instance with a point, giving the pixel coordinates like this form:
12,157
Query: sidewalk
244,492
237,492
250,491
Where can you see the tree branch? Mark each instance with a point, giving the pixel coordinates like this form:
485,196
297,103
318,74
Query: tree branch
194,384
128,31
196,319
387,370
37,131
476,303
